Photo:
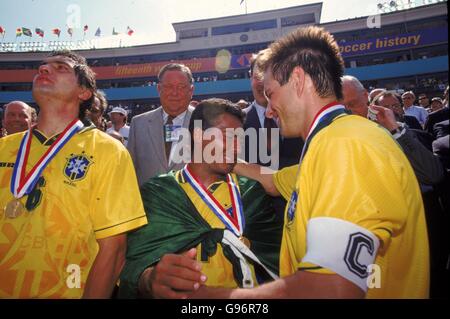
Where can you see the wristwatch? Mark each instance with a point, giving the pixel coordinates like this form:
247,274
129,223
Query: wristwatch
399,131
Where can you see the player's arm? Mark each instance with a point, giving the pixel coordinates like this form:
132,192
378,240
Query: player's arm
263,175
106,267
174,276
302,284
336,265
427,167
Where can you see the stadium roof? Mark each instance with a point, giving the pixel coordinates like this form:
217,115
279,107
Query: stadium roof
312,7
212,41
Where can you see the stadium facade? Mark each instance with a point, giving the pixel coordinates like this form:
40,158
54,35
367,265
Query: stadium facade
405,49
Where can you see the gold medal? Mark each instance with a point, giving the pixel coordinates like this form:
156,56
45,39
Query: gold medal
245,241
14,209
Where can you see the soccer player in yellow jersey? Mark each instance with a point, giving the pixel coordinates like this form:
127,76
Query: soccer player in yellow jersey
354,225
205,207
68,194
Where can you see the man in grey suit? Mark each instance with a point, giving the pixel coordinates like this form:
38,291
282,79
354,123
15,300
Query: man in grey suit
153,139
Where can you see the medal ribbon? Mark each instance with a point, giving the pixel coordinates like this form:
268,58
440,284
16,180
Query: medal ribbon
323,118
22,184
234,223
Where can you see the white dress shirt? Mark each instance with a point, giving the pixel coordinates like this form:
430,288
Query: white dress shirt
124,131
176,121
261,111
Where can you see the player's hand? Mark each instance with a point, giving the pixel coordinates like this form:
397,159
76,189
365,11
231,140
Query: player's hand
385,117
173,277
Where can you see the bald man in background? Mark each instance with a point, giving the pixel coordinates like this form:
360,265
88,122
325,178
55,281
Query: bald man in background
356,97
427,167
17,117
374,93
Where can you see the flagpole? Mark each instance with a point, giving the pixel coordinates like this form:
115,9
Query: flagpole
245,6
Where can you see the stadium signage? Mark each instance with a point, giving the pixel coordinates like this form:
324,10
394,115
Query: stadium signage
146,69
137,70
394,42
347,48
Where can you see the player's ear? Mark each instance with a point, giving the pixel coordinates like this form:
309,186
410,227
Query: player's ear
85,94
298,79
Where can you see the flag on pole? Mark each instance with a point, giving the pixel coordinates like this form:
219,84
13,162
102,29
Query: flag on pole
39,32
98,32
18,32
85,29
244,1
56,31
2,31
114,32
70,31
27,32
129,31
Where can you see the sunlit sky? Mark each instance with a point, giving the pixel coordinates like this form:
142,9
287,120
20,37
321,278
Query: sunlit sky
151,20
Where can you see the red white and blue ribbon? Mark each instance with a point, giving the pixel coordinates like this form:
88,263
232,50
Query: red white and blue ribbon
320,116
331,107
322,119
236,222
21,183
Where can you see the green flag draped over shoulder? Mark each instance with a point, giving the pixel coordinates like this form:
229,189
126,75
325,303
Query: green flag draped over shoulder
174,225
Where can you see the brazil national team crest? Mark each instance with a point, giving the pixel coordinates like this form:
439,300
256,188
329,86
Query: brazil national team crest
292,206
77,166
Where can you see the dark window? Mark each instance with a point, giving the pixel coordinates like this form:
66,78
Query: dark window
297,20
240,28
197,33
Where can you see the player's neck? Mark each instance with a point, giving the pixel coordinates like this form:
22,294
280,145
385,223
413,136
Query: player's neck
313,106
54,121
203,174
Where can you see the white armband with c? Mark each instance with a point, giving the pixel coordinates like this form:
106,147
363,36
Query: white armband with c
342,247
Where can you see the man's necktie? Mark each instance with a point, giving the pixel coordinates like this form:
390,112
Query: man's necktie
168,144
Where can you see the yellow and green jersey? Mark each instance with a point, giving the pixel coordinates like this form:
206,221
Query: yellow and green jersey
217,268
87,192
356,203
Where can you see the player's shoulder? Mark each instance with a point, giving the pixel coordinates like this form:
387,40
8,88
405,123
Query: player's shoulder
13,137
355,137
102,140
11,141
355,126
354,129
